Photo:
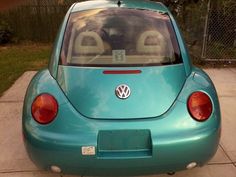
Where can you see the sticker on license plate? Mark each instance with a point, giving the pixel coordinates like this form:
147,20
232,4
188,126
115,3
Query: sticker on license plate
88,150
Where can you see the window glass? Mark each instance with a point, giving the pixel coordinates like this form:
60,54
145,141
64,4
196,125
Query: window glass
119,37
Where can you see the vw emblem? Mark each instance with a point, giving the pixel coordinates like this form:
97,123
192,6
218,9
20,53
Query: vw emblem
123,91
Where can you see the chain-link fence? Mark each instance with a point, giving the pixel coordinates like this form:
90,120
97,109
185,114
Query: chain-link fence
191,20
220,33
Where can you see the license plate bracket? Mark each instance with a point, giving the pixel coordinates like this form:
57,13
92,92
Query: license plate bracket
124,143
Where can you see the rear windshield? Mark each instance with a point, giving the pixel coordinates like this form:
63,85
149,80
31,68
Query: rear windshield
119,37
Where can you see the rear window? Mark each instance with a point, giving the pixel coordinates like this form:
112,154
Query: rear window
119,37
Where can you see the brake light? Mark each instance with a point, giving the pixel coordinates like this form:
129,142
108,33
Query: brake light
122,71
44,108
199,106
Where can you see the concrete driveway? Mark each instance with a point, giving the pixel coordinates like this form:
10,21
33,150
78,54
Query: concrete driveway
15,163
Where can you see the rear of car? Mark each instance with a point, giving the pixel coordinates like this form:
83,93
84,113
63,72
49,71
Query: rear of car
120,96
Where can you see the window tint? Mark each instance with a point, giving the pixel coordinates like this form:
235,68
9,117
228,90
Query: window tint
119,37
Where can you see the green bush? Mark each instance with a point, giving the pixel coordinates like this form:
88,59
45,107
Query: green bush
5,32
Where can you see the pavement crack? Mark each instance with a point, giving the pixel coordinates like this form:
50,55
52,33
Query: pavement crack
231,161
226,96
19,171
20,101
220,163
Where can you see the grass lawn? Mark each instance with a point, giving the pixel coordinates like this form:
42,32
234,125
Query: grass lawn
16,59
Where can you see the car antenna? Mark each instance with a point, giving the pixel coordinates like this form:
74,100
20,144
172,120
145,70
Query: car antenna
119,3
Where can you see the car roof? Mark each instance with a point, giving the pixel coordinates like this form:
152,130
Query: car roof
135,4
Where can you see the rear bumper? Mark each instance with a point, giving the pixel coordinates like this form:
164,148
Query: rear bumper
165,156
171,142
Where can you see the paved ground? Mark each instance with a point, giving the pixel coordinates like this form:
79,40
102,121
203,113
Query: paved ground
15,163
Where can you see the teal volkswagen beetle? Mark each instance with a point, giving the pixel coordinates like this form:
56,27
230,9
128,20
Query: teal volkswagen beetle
120,96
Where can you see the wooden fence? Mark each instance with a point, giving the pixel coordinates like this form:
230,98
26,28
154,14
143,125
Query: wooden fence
36,20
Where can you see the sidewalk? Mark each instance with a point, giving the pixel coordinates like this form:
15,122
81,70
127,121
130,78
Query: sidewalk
15,163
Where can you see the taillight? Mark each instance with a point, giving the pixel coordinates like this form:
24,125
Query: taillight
199,106
44,108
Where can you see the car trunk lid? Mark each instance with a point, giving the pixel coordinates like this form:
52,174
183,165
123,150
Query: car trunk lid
92,92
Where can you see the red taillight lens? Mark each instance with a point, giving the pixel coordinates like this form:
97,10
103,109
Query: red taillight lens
44,108
199,106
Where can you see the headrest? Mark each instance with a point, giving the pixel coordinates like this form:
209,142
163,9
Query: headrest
88,42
